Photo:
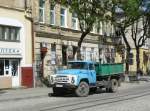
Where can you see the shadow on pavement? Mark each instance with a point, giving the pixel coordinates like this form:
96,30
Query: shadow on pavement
63,95
99,91
2,92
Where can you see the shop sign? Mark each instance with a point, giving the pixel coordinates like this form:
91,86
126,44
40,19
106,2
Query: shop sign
13,51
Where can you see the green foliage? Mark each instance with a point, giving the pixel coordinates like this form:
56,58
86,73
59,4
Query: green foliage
128,12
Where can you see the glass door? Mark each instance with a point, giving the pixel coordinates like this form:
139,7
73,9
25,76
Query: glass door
14,70
1,67
7,67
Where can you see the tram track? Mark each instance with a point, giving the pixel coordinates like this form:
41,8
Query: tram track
85,104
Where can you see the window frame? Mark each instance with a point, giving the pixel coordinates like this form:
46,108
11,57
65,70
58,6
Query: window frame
10,38
43,11
76,24
9,68
53,54
65,17
52,12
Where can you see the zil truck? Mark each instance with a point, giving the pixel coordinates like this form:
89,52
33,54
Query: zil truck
82,77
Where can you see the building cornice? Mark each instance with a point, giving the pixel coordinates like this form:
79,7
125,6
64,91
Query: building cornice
63,28
12,8
63,37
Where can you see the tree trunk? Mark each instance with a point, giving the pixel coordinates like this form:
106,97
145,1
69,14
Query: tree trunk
128,49
83,35
137,60
127,60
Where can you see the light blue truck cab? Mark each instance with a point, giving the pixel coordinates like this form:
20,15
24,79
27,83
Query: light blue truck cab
81,77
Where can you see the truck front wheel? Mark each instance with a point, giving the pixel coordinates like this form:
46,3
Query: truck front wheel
114,85
83,89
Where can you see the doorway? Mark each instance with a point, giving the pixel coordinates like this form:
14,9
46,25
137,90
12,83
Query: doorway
10,68
14,70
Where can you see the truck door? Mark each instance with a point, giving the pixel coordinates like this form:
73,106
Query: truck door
92,74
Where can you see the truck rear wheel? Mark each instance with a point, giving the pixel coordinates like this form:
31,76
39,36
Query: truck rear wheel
114,85
83,89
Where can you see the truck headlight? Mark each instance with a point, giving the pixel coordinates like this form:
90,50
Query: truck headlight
52,79
72,80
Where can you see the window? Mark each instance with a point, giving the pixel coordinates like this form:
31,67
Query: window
70,53
74,21
93,29
63,17
91,66
77,65
92,54
9,67
9,33
83,53
64,54
41,10
53,53
1,67
52,14
131,56
98,27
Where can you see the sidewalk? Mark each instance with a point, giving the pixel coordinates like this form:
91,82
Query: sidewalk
129,85
18,94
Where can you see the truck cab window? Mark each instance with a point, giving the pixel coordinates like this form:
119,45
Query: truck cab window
77,65
91,67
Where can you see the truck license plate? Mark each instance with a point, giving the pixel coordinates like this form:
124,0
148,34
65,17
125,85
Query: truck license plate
58,85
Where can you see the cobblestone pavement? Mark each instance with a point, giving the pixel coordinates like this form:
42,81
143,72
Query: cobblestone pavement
36,99
138,104
6,95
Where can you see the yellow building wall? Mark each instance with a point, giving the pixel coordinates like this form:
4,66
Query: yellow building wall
143,63
144,60
118,58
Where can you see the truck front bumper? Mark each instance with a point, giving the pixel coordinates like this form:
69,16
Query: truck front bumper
64,85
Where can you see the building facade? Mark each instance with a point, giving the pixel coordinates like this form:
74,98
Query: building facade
15,45
56,34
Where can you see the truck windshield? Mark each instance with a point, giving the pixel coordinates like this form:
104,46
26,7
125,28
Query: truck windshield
77,65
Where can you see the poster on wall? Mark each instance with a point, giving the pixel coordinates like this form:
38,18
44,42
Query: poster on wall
70,53
88,56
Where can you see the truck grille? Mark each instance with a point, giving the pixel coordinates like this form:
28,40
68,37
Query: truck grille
62,79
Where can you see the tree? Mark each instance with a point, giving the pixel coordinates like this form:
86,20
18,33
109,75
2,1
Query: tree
132,15
124,14
139,34
88,13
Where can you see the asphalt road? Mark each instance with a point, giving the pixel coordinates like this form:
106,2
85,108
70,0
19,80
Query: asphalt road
134,98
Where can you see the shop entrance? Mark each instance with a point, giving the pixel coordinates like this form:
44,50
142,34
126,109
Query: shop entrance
14,64
10,67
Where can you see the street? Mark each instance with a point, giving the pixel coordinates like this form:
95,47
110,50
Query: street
129,97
